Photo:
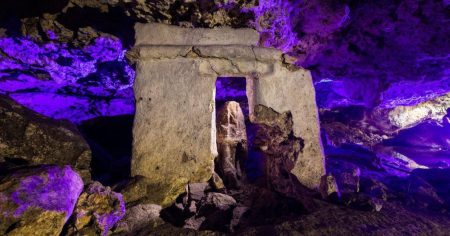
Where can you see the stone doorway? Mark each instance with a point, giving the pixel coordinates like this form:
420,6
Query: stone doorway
174,131
239,89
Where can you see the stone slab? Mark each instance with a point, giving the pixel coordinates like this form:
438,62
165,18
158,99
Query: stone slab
162,34
172,130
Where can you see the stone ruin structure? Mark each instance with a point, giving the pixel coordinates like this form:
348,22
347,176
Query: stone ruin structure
175,124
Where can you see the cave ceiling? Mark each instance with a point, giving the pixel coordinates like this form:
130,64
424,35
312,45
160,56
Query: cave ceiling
68,59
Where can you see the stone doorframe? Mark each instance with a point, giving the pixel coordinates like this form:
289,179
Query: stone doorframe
174,129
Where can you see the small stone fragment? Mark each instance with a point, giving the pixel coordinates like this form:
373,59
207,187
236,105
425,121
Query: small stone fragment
216,182
328,187
139,217
98,210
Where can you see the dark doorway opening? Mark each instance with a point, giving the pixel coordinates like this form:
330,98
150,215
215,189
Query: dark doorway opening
235,89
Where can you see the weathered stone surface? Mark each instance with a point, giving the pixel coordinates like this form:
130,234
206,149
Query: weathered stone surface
328,187
217,210
137,218
347,176
34,139
174,130
196,191
98,209
216,182
172,140
408,116
293,91
137,190
162,34
38,201
280,148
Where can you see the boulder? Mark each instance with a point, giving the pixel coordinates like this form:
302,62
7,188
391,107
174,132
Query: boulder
38,201
33,139
98,209
238,214
216,182
217,201
275,139
410,115
139,217
346,174
196,191
215,212
374,188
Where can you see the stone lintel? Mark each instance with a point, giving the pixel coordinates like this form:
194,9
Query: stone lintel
162,34
248,53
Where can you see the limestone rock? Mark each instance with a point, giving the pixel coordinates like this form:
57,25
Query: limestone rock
172,35
139,190
196,191
217,208
238,214
408,116
207,14
46,28
218,201
216,182
328,187
38,201
275,139
34,139
139,217
348,179
231,144
98,209
374,188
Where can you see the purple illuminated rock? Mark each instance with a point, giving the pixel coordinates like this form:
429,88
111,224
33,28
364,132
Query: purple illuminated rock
38,201
98,209
60,81
33,139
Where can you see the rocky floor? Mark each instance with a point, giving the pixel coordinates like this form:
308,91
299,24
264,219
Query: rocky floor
363,193
393,219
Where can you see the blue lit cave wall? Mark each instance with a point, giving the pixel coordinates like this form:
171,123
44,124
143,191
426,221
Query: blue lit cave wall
381,81
380,68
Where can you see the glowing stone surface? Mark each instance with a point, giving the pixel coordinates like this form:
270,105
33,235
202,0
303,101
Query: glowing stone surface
38,200
65,82
56,189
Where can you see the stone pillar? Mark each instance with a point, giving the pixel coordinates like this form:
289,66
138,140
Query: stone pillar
174,130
